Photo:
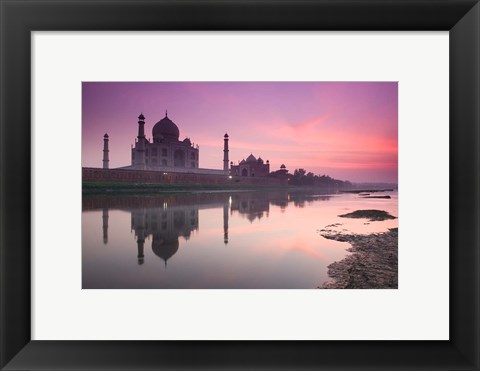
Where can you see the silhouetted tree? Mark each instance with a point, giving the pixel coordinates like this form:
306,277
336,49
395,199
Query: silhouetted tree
300,177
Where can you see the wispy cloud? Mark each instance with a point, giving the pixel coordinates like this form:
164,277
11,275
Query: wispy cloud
318,125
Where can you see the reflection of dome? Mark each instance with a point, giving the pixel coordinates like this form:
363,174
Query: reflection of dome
251,158
165,128
165,249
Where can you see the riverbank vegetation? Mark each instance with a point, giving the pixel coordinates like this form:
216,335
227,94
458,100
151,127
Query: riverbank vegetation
301,177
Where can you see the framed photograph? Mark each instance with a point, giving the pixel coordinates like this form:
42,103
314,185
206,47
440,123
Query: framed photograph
248,185
170,187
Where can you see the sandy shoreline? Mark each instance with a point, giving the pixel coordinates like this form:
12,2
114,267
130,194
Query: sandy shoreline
373,263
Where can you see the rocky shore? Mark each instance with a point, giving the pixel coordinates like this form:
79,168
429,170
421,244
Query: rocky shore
373,263
372,215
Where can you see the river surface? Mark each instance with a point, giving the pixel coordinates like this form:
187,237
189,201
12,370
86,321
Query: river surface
219,240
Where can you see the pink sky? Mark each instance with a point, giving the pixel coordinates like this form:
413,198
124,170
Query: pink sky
348,130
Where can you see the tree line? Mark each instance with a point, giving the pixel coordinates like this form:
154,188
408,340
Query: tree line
301,177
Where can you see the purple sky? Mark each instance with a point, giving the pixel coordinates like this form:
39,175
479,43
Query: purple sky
348,130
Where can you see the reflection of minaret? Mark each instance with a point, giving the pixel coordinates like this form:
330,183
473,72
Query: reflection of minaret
225,153
140,230
105,225
225,223
105,151
140,256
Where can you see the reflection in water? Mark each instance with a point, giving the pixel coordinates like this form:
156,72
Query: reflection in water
105,225
165,225
272,238
225,222
249,207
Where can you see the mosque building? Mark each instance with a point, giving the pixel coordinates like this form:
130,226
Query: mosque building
166,152
250,167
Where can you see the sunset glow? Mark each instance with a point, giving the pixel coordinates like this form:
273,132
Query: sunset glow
348,130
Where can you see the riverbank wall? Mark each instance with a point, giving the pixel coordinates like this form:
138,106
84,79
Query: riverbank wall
98,175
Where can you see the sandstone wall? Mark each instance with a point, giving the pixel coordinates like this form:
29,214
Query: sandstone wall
90,174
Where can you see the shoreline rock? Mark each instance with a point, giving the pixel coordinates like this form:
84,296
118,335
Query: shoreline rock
373,263
367,190
372,215
385,197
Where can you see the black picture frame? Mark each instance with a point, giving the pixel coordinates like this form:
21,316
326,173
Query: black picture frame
18,18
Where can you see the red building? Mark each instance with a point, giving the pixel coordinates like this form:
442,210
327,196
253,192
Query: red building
250,167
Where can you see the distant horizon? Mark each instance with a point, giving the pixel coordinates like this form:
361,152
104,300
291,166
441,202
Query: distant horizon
346,130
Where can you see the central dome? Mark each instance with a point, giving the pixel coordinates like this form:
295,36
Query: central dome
251,158
165,249
165,128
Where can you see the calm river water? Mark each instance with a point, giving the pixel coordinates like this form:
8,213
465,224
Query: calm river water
225,240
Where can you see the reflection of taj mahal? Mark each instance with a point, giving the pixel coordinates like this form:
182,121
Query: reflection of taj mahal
161,221
165,225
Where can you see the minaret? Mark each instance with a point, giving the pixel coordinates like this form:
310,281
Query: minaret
225,153
105,151
140,146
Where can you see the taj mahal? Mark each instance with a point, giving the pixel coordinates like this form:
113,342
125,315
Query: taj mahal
165,152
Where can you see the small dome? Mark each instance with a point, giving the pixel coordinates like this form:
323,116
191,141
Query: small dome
106,135
283,166
187,141
260,160
226,135
243,161
251,158
141,117
165,128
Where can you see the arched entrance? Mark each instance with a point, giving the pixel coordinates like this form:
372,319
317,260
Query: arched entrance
244,172
179,158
